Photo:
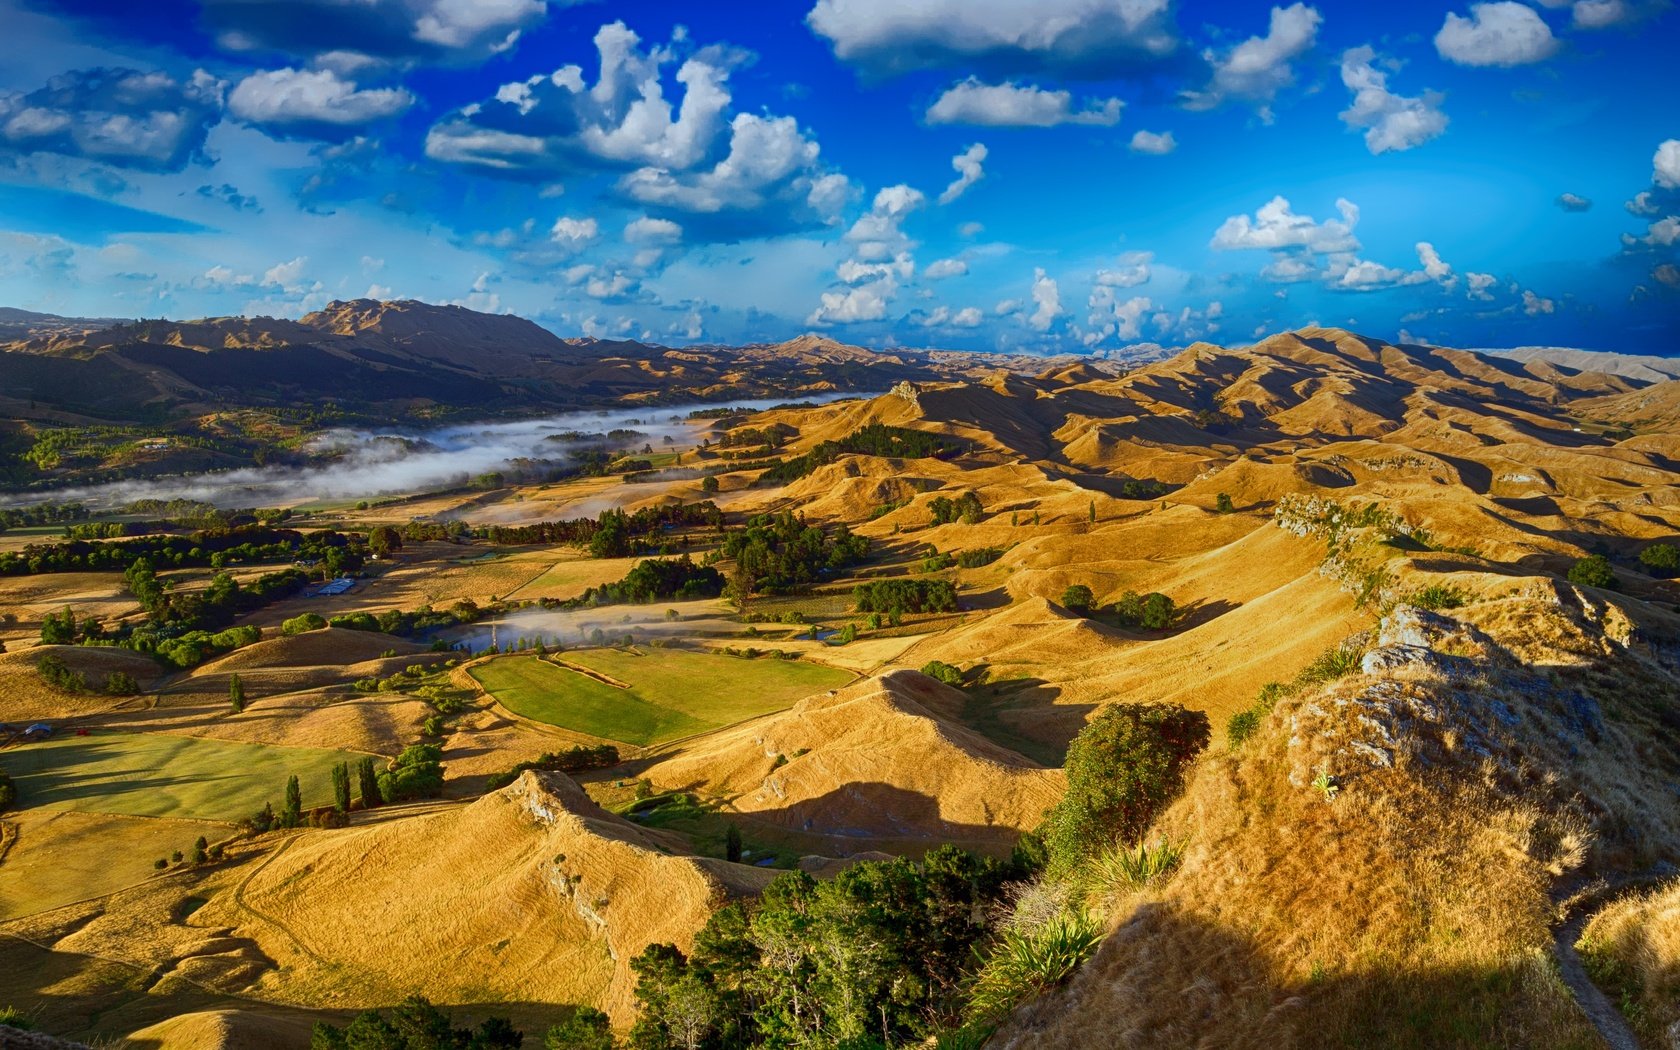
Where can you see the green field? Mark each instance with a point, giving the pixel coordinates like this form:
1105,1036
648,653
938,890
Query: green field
673,692
155,775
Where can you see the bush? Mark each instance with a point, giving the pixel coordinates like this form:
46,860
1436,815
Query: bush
53,669
1438,596
1242,725
1154,610
1661,560
12,1017
1078,598
1222,503
944,672
587,1029
1025,964
8,791
302,623
1593,571
416,773
1122,769
979,556
577,759
121,683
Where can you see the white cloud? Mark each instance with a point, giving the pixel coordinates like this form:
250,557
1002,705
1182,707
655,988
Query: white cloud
287,276
967,317
1665,165
1480,285
1110,316
1133,268
1660,234
1435,267
902,267
224,277
1503,33
1392,122
970,230
1005,307
864,303
942,268
1573,202
1274,226
448,31
292,98
1047,301
123,117
1012,105
1362,275
603,286
1534,305
968,166
876,234
652,231
575,234
891,36
1150,142
1287,269
1259,67
1644,205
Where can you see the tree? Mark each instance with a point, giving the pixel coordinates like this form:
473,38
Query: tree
369,783
121,683
236,693
200,851
384,539
1593,571
1157,611
341,788
1078,598
59,630
732,844
1093,512
291,813
8,791
709,484
302,623
1122,769
1222,503
587,1029
1661,560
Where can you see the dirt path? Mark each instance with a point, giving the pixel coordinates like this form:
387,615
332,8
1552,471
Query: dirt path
1577,901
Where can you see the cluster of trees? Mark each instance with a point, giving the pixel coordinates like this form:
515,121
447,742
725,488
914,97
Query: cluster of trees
216,605
1661,560
773,436
897,597
1154,611
965,508
780,554
577,759
335,552
612,535
416,773
415,1024
875,439
406,623
877,956
657,579
1594,571
41,514
1146,488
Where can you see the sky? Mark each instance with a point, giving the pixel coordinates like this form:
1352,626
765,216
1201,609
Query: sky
1054,176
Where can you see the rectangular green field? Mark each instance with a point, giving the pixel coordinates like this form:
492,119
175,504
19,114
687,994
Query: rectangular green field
156,775
672,692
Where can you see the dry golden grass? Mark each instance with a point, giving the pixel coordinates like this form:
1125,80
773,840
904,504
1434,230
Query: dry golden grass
1632,949
26,696
62,856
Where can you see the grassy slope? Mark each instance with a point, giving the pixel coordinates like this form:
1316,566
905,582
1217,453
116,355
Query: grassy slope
672,694
153,775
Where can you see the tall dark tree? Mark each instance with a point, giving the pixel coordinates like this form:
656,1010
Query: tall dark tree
236,693
369,779
341,788
291,813
732,844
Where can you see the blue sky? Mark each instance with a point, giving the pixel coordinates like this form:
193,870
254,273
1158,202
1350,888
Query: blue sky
1062,175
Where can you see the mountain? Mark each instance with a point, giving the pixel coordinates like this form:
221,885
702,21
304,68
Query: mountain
18,324
1643,367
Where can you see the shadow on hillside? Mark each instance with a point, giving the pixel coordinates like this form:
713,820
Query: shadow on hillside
1163,978
1022,715
866,815
1200,611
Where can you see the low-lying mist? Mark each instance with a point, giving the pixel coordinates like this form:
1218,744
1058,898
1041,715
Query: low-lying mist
355,464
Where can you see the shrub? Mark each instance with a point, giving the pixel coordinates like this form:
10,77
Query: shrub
587,1029
1593,571
302,623
1661,560
1438,596
121,683
416,773
8,791
979,556
1241,726
944,672
1123,868
1025,964
1222,503
12,1017
56,673
1122,768
1078,598
1157,611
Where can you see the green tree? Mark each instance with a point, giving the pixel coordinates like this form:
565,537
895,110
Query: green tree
291,812
1222,503
1093,512
587,1029
1661,560
732,844
369,784
1593,571
1122,769
200,851
59,630
1157,611
236,693
709,484
1078,598
384,539
341,788
303,622
8,791
121,683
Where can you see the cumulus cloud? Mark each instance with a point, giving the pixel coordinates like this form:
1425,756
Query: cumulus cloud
287,276
1362,275
969,169
1132,269
1665,165
1392,122
864,303
353,34
1480,286
1259,67
1573,202
1503,33
1276,227
230,195
1660,234
945,317
1150,142
312,102
575,234
1110,316
887,37
942,268
1047,301
1643,204
1012,105
123,117
1533,305
1434,267
877,234
652,231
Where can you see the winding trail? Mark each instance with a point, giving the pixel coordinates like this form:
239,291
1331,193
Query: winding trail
1577,900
